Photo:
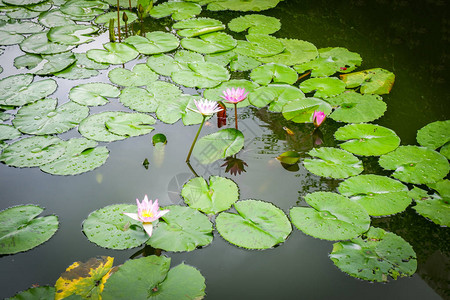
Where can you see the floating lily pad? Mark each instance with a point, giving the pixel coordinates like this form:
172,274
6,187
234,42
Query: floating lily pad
295,52
445,150
201,75
45,64
172,109
375,256
178,10
319,67
373,81
44,117
302,111
84,10
32,151
21,13
259,45
85,279
154,42
133,124
93,94
379,195
256,225
38,43
10,38
104,18
332,162
276,73
243,5
22,231
108,227
181,229
41,292
22,2
237,62
166,65
94,127
436,208
210,198
352,107
434,135
210,43
323,87
275,95
54,18
8,132
150,277
72,34
289,157
367,139
216,93
330,217
140,75
83,68
415,164
256,24
115,53
218,145
198,26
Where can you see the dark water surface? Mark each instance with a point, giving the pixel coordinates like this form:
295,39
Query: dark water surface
408,38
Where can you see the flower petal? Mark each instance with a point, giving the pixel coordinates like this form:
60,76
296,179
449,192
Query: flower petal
132,215
148,227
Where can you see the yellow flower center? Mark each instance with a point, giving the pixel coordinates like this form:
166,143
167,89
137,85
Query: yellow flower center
147,214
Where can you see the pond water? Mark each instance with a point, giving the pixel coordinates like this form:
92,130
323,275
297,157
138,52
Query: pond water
408,38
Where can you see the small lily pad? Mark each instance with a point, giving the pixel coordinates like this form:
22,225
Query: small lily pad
434,135
216,93
275,73
367,139
210,43
178,10
379,195
93,94
140,75
295,52
72,34
323,87
154,42
415,164
132,124
94,127
289,157
330,217
8,132
201,75
302,111
256,225
218,145
259,45
256,24
115,53
375,256
197,26
210,198
332,162
275,95
373,81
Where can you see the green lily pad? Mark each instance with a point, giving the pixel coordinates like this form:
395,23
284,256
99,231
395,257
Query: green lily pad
94,127
352,107
44,117
276,73
275,95
22,2
295,52
373,81
256,24
149,277
259,45
445,150
45,64
8,132
140,75
256,225
10,38
367,139
289,157
319,67
132,124
218,145
181,229
104,18
216,93
330,217
115,53
38,43
332,162
442,187
198,26
201,75
32,151
122,3
379,195
172,109
154,42
21,13
302,111
83,68
72,34
210,43
415,164
84,10
166,65
434,207
323,87
243,5
22,231
93,94
375,256
237,62
210,198
178,10
54,18
42,292
434,135
108,227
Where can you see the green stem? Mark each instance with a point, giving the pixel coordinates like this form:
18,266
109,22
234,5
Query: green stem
235,115
118,19
195,139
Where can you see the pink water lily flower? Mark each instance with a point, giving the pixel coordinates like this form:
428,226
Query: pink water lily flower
234,95
206,107
318,118
148,212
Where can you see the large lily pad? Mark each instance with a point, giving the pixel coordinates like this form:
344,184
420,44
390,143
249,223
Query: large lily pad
210,198
83,68
218,145
150,278
154,42
170,110
140,75
237,62
256,225
323,87
84,10
302,111
295,52
22,27
54,18
198,26
181,229
94,127
242,5
256,24
375,256
210,43
373,81
93,94
259,45
38,43
367,139
45,64
434,135
178,10
115,53
415,164
130,124
108,227
20,230
275,73
332,162
216,93
32,151
44,117
72,34
330,217
201,75
275,95
104,19
379,195
166,65
352,107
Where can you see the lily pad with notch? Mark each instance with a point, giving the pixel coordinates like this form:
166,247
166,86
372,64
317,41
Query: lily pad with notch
114,53
141,75
10,38
72,34
84,10
41,292
210,43
94,127
93,94
275,95
45,64
242,5
131,124
22,27
255,23
172,109
434,207
259,45
198,26
105,18
154,42
323,87
201,75
54,18
179,10
302,110
295,52
434,135
373,81
166,65
83,68
276,73
237,62
38,43
8,132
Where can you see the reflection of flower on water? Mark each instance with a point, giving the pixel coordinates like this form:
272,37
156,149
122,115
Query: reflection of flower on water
234,165
317,137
